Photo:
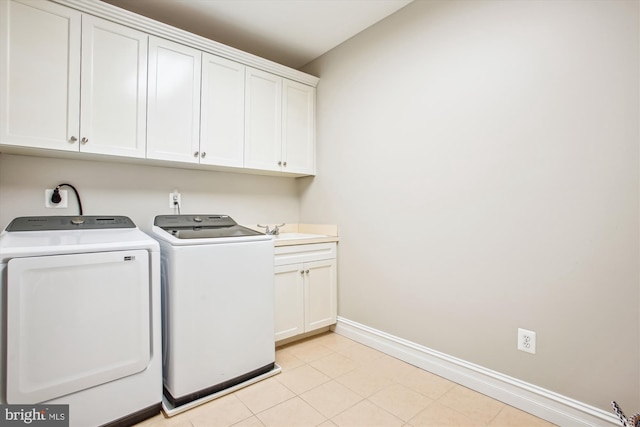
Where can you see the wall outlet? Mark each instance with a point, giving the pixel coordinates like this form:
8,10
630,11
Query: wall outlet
173,198
526,341
47,199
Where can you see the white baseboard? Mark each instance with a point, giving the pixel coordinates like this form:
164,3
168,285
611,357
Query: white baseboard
535,400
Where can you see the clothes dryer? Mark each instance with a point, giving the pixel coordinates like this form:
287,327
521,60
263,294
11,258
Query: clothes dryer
81,318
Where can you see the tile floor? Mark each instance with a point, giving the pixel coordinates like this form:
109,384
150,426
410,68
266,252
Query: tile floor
329,380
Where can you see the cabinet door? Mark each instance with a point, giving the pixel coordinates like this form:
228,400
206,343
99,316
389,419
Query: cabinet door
263,121
320,294
114,89
222,112
173,127
39,74
289,301
298,128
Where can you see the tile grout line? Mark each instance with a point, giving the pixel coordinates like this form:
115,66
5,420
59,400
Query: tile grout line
308,363
359,357
253,414
359,365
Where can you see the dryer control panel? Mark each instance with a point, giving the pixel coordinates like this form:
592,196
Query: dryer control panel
85,222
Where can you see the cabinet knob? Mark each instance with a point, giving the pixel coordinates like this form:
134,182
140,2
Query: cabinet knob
196,154
203,155
301,271
280,163
284,164
84,140
73,139
306,271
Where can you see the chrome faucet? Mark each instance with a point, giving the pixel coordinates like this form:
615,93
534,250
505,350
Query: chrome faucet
274,231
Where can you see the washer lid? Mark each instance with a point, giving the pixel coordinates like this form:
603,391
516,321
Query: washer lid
202,226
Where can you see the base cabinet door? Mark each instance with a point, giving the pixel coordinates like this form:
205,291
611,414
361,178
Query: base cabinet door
305,291
289,301
320,294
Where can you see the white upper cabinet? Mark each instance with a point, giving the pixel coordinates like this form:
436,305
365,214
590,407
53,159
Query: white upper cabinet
40,75
279,124
263,121
74,82
298,127
173,120
43,79
222,112
114,89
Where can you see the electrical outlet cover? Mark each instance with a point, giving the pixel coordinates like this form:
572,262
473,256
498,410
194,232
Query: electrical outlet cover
526,341
47,199
174,197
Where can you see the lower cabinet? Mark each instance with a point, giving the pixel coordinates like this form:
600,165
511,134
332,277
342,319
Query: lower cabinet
305,288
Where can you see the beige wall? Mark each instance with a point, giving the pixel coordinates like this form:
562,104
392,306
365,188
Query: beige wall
142,192
481,160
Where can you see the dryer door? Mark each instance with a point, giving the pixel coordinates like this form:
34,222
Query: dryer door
75,321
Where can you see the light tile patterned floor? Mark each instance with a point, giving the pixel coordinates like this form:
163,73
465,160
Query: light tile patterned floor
330,380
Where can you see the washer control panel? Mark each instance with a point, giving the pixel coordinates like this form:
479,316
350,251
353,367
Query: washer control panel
189,221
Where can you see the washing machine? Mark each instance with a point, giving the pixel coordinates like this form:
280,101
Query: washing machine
218,307
80,319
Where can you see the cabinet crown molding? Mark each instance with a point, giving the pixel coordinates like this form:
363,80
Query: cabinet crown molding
150,26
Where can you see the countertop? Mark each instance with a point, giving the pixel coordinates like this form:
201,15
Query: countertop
289,239
303,234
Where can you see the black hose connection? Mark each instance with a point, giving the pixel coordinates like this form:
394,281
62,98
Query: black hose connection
57,198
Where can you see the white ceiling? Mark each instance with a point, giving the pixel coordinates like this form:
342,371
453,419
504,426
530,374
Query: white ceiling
290,32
